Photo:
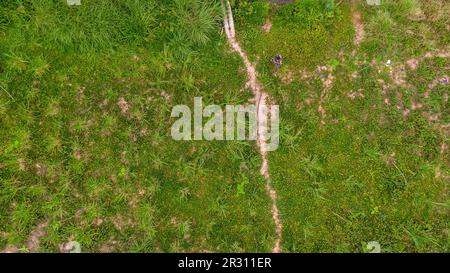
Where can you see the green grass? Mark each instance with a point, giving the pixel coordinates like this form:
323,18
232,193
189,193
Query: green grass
63,73
366,174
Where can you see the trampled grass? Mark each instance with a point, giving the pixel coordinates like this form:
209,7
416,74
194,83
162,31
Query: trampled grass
86,94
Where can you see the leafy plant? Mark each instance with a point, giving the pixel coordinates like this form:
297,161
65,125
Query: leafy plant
241,185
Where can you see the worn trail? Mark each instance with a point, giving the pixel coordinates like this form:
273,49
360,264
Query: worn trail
263,107
360,33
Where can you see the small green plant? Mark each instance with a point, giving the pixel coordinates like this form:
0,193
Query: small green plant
241,185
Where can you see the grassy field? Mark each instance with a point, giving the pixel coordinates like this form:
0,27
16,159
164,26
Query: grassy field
86,153
364,153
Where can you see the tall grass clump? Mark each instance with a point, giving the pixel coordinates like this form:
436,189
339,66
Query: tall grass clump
196,20
187,26
94,25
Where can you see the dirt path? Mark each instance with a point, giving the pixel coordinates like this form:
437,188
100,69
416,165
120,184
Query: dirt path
268,24
263,106
357,23
33,242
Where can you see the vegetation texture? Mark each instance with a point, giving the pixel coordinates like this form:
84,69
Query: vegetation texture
86,154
